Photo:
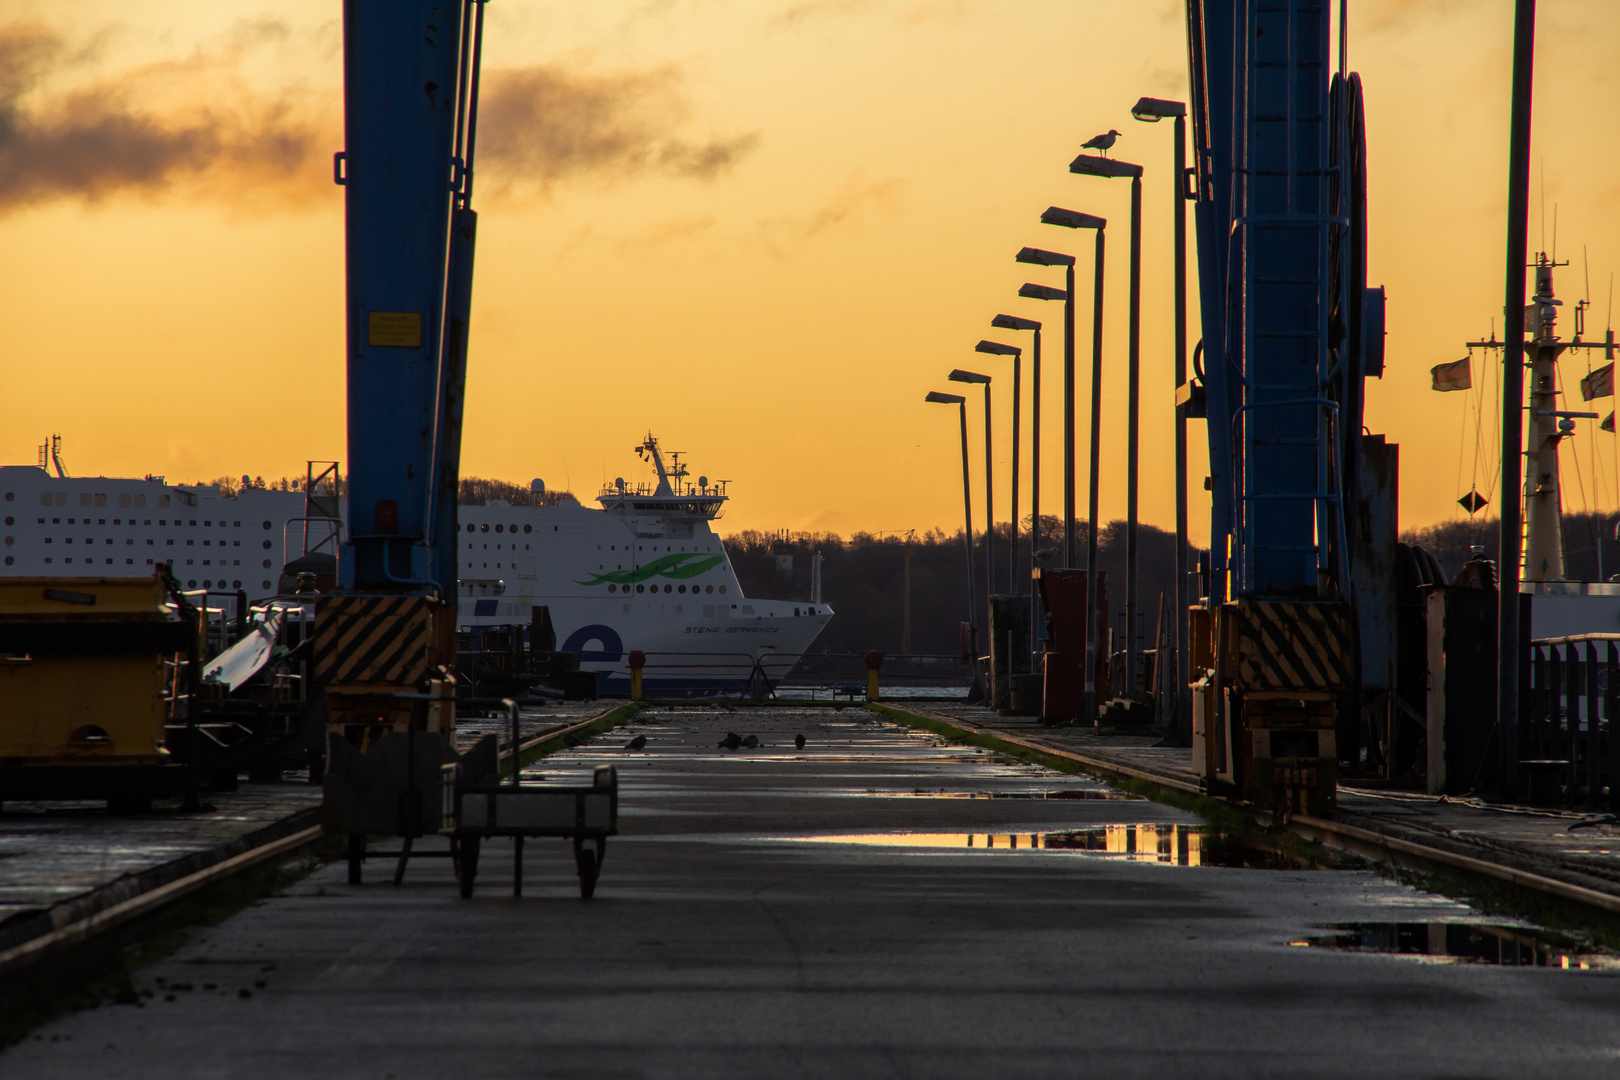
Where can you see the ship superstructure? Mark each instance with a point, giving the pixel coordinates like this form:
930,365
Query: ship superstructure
645,572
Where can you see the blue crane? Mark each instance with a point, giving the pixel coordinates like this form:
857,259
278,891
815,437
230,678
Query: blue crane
411,80
1290,330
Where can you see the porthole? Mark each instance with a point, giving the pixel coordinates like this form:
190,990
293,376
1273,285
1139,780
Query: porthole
236,584
10,540
497,528
484,527
722,588
669,588
267,545
10,496
10,521
8,560
681,589
266,585
640,588
207,584
528,528
708,588
612,588
471,527
266,524
267,566
192,584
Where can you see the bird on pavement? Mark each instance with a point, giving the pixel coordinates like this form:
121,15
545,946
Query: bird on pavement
637,743
798,740
1103,142
751,742
731,741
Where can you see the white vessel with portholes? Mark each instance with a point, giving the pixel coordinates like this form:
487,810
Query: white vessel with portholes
645,572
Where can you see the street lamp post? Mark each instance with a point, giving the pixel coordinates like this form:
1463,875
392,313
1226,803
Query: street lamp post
996,348
1152,110
1088,165
1073,219
967,512
974,378
1014,322
1039,257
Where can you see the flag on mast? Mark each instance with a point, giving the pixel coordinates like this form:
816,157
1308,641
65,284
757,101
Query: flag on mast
1598,384
1608,424
1453,376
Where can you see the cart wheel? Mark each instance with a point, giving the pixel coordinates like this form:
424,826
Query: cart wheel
357,853
468,864
590,865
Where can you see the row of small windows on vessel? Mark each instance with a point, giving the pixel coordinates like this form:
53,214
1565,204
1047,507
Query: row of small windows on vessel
87,498
667,588
615,547
11,560
503,528
10,540
119,521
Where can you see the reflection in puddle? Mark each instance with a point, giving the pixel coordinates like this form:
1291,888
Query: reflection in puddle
1078,793
1465,943
1171,845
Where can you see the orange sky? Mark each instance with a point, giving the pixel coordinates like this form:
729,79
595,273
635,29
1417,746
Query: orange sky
762,230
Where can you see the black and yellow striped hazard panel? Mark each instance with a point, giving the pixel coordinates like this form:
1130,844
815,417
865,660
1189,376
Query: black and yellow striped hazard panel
372,639
1291,645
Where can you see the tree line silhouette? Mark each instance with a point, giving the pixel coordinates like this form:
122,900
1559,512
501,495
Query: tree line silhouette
864,579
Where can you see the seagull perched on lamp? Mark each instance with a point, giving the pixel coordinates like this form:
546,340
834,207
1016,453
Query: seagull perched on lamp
1103,142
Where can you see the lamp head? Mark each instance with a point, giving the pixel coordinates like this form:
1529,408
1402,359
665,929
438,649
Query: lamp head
1032,291
1092,165
1039,257
1152,109
945,399
1014,322
969,377
1071,219
996,348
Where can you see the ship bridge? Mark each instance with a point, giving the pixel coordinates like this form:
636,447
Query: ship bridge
672,496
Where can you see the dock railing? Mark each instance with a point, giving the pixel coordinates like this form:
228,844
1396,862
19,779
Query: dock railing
1566,745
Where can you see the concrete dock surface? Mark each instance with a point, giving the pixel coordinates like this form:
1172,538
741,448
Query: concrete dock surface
853,909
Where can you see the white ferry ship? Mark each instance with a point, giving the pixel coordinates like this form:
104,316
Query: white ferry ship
646,572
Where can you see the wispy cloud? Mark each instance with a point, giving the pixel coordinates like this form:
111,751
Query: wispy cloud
143,129
540,125
74,127
854,200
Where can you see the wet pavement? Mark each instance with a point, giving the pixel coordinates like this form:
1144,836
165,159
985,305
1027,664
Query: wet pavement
1581,846
747,924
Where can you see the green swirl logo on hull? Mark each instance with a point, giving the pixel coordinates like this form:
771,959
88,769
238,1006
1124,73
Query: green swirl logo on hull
677,567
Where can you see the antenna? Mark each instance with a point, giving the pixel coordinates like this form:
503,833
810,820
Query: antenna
1544,205
1555,234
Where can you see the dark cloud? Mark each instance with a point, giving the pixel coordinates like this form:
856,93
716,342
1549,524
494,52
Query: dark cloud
72,129
539,125
116,133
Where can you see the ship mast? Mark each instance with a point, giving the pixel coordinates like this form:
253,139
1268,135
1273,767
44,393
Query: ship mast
1549,426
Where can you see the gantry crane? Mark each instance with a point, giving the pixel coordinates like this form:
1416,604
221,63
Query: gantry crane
1290,640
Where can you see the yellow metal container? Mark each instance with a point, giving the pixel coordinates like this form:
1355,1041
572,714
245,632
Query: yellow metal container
82,670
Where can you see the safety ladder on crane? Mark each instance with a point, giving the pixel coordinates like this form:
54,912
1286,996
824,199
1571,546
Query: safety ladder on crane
1290,515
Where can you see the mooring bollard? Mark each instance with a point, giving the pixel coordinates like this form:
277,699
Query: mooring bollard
638,660
874,660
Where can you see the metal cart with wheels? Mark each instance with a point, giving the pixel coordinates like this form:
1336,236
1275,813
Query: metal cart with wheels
587,815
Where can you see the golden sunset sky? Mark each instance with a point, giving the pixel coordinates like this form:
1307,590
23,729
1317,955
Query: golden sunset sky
762,230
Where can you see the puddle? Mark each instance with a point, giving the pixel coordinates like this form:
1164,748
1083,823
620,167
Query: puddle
1170,845
1083,793
1465,943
